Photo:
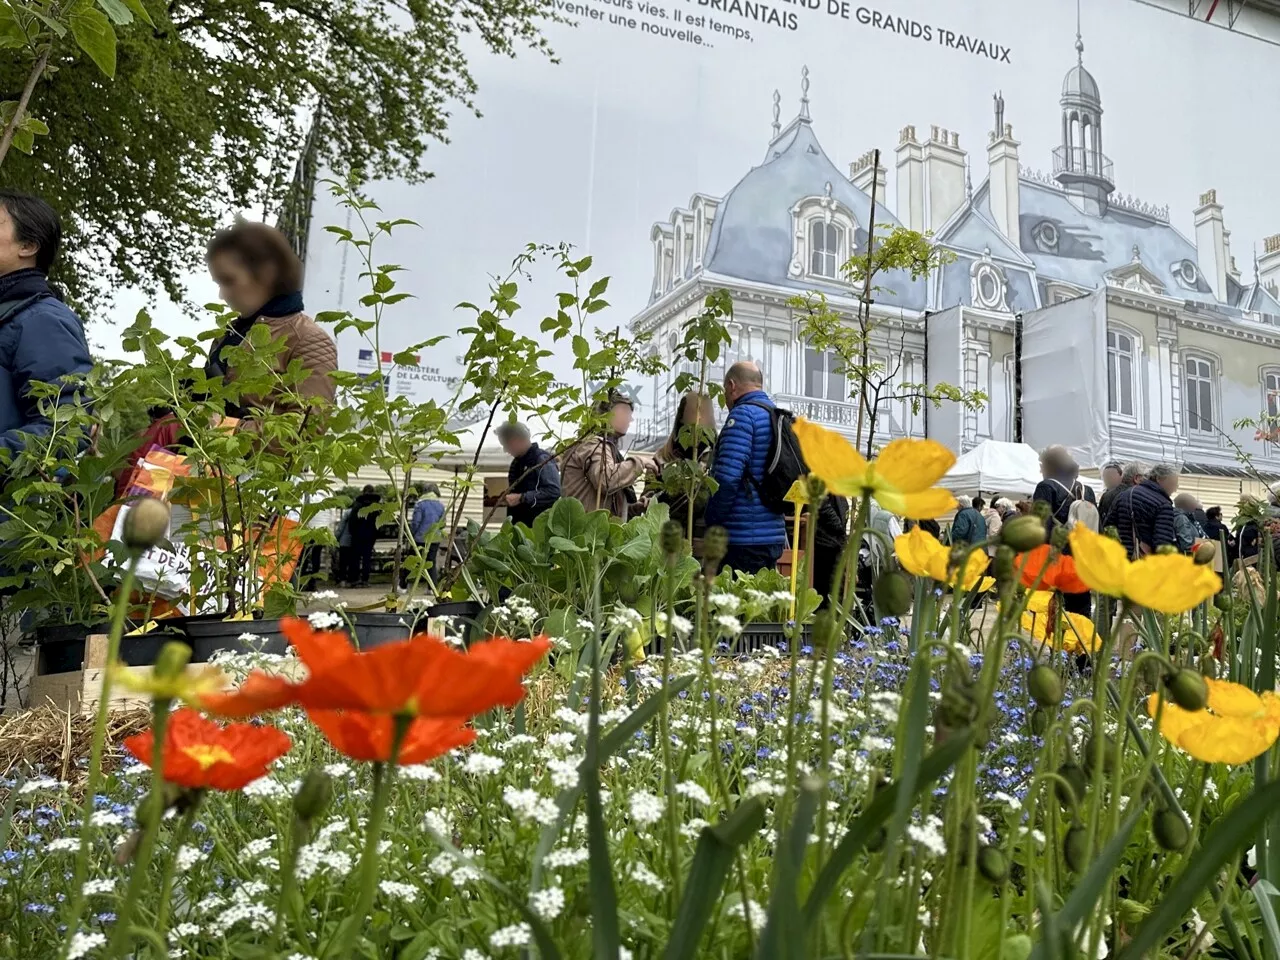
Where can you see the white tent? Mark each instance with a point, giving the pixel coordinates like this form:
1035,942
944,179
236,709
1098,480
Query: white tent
994,466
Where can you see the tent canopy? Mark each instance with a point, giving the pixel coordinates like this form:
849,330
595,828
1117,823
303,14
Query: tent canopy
997,467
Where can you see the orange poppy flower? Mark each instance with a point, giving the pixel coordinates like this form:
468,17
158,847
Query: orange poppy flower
367,736
1060,574
202,755
420,676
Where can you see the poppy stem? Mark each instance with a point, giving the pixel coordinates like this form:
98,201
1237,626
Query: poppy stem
153,813
384,775
170,869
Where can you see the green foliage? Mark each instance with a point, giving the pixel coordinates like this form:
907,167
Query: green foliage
765,597
223,92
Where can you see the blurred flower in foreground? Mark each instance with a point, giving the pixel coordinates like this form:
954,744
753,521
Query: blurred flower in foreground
366,736
923,556
1236,725
200,754
189,685
1167,583
901,479
1079,635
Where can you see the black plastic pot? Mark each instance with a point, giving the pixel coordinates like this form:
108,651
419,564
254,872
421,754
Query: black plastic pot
374,629
468,613
754,638
67,655
208,635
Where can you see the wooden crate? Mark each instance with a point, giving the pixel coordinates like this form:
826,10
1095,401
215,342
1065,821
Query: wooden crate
78,691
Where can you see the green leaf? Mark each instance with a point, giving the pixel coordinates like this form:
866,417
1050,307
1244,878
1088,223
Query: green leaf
938,762
581,349
117,11
1222,843
1263,891
564,546
784,934
94,35
599,287
140,11
717,844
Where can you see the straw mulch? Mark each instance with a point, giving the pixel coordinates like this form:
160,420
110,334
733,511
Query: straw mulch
56,743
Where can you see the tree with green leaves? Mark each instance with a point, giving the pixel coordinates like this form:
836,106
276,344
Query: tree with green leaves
210,107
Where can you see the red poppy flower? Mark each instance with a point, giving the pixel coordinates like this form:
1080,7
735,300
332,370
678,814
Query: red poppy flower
1058,575
367,736
421,676
202,755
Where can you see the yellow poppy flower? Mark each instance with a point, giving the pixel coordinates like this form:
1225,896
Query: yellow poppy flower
1236,725
1079,635
187,685
923,556
901,479
1167,583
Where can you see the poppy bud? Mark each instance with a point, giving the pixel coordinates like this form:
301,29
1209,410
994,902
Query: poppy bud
993,865
314,796
1023,533
1108,761
1170,829
1167,549
172,660
1205,553
1040,509
1039,721
1208,667
1187,689
1074,848
1072,791
1045,685
146,523
1223,602
672,539
892,593
815,489
1003,568
1059,537
715,544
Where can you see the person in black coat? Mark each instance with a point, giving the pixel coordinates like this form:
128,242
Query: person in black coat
1143,514
533,478
829,540
1113,483
362,527
1220,533
1061,485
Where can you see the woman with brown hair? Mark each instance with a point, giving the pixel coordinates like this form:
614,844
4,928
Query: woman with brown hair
692,438
260,277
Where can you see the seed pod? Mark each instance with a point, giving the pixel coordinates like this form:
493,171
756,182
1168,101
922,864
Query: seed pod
1072,792
1059,536
815,488
1003,567
1188,690
1073,848
1023,533
172,660
314,796
1044,685
1039,721
715,544
993,865
1108,761
1170,829
1223,602
1205,553
146,523
672,539
892,593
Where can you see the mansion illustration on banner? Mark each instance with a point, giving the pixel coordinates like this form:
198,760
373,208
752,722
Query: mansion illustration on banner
1081,312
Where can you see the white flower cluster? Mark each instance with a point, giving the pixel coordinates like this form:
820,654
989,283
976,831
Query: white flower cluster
319,853
516,935
40,783
98,888
929,835
725,602
82,943
642,874
421,772
482,764
646,809
549,903
187,857
753,912
693,791
448,865
531,806
257,848
399,891
266,788
324,620
564,772
559,859
63,845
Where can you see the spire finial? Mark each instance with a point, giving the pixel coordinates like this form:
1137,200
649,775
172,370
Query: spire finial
1257,277
1079,39
968,181
777,113
804,93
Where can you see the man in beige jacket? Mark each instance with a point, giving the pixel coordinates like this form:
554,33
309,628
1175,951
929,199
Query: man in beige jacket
595,472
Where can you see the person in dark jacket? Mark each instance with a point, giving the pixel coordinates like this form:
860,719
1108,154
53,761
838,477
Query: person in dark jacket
533,478
424,526
829,541
1186,521
757,535
362,527
41,340
968,526
1061,485
1217,531
1143,514
1131,474
692,438
1112,478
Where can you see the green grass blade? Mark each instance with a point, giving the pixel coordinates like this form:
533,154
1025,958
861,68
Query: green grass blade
717,845
1086,893
1224,840
783,937
938,762
1263,891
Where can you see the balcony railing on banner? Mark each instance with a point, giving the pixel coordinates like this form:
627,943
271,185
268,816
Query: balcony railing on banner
831,413
1083,161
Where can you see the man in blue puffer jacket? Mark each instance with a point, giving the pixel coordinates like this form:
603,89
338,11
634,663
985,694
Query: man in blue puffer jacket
41,340
757,535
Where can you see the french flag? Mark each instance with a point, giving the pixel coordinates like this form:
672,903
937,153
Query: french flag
366,354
